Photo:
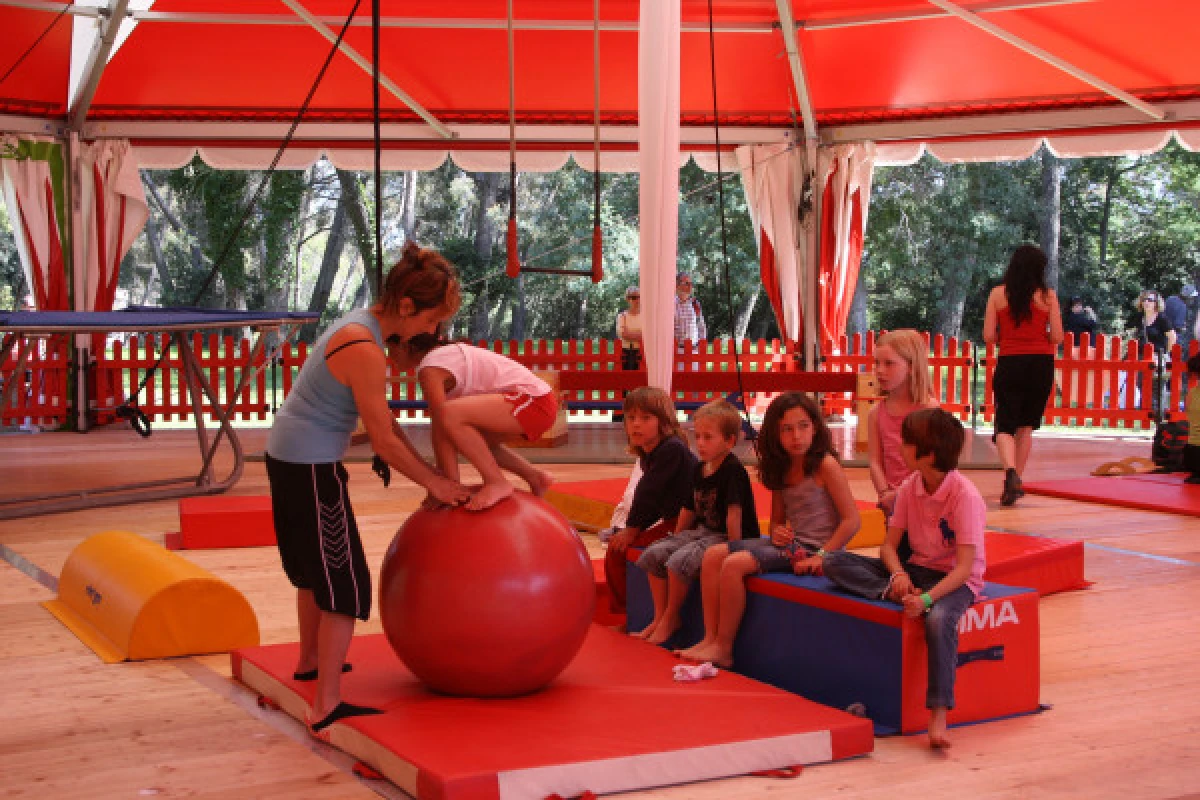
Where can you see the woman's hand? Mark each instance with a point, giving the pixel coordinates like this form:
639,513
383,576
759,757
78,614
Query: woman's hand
446,491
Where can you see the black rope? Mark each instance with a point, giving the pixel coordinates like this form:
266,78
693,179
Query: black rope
375,24
37,41
737,361
129,409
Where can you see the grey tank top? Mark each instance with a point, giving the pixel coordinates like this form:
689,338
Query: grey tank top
810,510
319,414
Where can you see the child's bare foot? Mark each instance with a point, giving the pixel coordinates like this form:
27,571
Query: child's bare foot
542,481
937,730
664,630
646,631
488,495
699,647
714,653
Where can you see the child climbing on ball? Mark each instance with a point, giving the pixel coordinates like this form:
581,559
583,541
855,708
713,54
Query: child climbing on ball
720,509
476,399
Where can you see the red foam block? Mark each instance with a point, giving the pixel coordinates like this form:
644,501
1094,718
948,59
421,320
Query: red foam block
215,521
1041,563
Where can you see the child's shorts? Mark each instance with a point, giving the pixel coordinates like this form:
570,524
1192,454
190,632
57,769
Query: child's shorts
536,414
769,557
318,537
681,553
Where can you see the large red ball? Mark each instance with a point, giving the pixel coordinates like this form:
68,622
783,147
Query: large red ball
490,603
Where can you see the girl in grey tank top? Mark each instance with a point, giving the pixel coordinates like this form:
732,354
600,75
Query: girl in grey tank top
812,509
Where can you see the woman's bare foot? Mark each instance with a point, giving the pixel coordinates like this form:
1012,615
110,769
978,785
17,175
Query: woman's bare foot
937,730
542,481
488,495
664,630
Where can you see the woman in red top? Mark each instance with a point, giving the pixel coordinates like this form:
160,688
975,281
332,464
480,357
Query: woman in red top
1024,319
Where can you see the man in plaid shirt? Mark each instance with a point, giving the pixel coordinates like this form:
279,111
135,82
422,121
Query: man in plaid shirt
689,319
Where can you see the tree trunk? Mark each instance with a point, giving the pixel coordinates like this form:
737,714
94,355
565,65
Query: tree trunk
1109,185
494,329
858,308
330,261
154,237
478,326
487,184
742,321
1050,214
409,217
517,331
955,282
364,236
581,319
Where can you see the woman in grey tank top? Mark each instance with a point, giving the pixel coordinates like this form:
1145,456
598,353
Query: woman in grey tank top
343,379
812,509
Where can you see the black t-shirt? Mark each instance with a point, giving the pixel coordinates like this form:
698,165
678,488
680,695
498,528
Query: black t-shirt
1155,333
1080,323
666,483
713,494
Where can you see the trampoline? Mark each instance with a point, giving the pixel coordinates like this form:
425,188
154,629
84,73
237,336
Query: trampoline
20,328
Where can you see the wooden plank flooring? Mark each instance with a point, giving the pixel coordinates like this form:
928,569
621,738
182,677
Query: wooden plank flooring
1119,661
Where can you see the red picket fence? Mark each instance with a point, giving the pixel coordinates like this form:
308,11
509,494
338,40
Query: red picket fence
40,392
1097,381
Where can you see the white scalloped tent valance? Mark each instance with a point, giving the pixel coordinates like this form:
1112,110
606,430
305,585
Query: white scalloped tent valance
152,156
888,154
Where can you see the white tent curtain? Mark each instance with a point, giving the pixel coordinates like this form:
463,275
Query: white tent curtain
114,212
846,172
658,136
768,179
29,193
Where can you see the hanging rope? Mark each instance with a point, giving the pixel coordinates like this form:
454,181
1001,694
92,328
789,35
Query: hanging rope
37,41
129,409
597,237
737,360
513,266
378,148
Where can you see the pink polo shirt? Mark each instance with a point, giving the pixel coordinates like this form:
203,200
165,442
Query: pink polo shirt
938,523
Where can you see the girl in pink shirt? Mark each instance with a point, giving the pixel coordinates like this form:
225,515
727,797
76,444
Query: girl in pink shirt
902,369
943,515
476,399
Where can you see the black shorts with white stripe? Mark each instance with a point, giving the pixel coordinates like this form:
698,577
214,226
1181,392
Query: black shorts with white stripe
317,536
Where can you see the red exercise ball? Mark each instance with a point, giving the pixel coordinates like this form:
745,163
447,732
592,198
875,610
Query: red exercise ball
490,603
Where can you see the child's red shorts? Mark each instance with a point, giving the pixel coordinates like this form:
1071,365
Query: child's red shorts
536,414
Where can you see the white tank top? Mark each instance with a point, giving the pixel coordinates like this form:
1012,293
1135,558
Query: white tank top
478,371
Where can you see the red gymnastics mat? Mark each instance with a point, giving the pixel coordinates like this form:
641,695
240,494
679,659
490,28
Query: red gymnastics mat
614,721
1153,492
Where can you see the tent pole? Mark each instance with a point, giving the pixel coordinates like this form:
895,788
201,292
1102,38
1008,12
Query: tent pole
1051,59
110,24
384,80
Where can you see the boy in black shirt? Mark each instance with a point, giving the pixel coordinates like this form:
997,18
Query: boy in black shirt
721,508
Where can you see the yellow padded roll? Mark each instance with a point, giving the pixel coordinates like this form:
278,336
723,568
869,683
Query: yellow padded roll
128,598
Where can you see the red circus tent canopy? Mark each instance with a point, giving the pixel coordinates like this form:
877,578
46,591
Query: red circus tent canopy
202,70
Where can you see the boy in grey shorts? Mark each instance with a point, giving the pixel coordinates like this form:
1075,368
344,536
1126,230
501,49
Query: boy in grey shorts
720,509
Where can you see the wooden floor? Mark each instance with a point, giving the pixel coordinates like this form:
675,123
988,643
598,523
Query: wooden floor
1120,662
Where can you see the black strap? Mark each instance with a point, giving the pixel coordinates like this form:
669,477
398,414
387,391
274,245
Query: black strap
344,345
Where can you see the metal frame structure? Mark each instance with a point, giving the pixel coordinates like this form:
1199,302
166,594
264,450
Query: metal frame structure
22,328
